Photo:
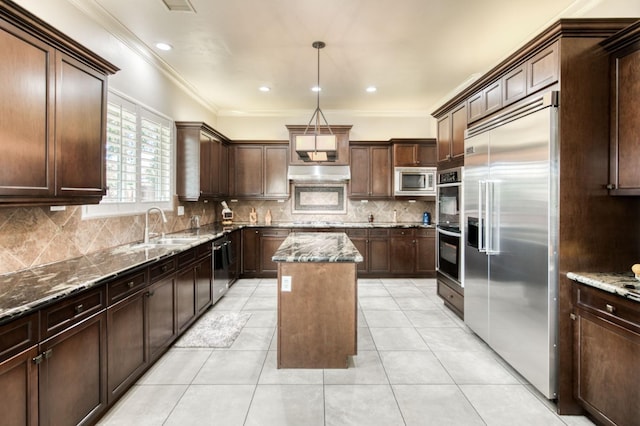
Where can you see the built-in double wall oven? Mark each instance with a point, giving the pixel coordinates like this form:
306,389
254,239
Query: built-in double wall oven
449,234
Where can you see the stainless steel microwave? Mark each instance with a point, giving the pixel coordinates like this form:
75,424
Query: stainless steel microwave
415,181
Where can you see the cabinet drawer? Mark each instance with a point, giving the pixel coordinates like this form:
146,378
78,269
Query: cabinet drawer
404,232
18,335
71,311
274,232
377,233
123,287
187,257
451,296
423,232
357,232
609,305
162,268
203,250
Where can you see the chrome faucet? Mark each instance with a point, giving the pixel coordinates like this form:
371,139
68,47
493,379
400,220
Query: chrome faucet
146,222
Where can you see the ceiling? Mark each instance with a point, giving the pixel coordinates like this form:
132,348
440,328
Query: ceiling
416,52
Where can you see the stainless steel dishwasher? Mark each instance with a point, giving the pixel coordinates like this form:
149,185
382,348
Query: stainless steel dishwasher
221,260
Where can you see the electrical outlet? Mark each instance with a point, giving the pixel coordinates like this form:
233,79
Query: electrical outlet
180,210
57,208
286,283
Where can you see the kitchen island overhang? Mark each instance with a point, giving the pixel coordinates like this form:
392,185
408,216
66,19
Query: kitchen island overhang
317,300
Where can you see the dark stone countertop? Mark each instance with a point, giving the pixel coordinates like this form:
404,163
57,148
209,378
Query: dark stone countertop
623,283
317,247
26,290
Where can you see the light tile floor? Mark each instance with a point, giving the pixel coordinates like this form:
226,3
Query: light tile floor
417,364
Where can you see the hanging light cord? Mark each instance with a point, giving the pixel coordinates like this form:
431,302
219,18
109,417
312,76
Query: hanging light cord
318,112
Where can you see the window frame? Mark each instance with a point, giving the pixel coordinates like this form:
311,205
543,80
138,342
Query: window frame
111,209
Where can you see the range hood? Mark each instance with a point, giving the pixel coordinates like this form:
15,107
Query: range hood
319,173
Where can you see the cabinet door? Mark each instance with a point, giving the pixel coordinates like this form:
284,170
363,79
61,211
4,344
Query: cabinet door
185,297
360,171
126,357
543,69
72,379
458,126
606,360
223,170
250,247
402,250
379,262
270,241
19,380
362,245
79,129
514,85
475,106
444,137
426,155
248,177
625,143
404,154
26,108
380,170
160,311
235,238
206,154
425,251
276,182
203,274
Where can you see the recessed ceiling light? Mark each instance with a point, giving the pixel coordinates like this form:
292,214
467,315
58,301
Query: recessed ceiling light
372,89
316,89
164,46
265,89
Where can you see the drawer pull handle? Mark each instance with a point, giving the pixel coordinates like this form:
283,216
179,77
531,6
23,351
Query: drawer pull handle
130,284
610,308
165,268
150,293
48,353
79,308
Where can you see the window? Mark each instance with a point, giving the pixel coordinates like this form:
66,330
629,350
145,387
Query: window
138,160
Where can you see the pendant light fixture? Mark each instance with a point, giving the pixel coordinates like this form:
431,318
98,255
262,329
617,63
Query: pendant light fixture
316,146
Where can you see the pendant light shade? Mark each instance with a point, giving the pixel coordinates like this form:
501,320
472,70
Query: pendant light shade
314,146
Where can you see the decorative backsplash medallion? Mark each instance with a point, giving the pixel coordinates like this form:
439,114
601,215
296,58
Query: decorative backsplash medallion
319,198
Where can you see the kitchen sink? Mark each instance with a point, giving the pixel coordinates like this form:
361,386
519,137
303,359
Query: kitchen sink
165,241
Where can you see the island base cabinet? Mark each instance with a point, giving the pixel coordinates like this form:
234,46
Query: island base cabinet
19,407
317,319
72,377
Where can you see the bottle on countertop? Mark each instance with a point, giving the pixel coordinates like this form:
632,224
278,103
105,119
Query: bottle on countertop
395,216
426,218
253,216
267,217
370,217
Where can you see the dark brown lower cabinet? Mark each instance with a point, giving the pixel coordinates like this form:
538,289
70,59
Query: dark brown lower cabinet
379,261
606,356
203,276
72,374
19,406
402,251
425,252
161,322
360,239
270,240
127,356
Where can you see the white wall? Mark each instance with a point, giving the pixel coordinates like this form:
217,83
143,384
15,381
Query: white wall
364,128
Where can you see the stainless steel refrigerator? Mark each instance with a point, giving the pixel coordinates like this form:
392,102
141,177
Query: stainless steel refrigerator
510,216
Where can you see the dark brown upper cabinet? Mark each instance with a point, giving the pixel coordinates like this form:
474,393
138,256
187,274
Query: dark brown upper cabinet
52,135
258,170
202,162
414,152
624,151
371,171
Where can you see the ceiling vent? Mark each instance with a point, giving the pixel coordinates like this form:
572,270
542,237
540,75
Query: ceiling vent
179,5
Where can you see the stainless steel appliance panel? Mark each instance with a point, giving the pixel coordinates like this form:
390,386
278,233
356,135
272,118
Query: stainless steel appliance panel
519,305
510,216
476,263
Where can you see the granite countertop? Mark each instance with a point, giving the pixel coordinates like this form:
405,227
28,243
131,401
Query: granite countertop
29,289
317,247
623,283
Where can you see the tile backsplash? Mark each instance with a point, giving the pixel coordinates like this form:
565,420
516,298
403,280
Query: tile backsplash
32,236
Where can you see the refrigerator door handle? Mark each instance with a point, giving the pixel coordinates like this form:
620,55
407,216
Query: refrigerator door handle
481,219
491,228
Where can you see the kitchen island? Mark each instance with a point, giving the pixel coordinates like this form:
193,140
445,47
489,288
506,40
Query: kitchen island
317,300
